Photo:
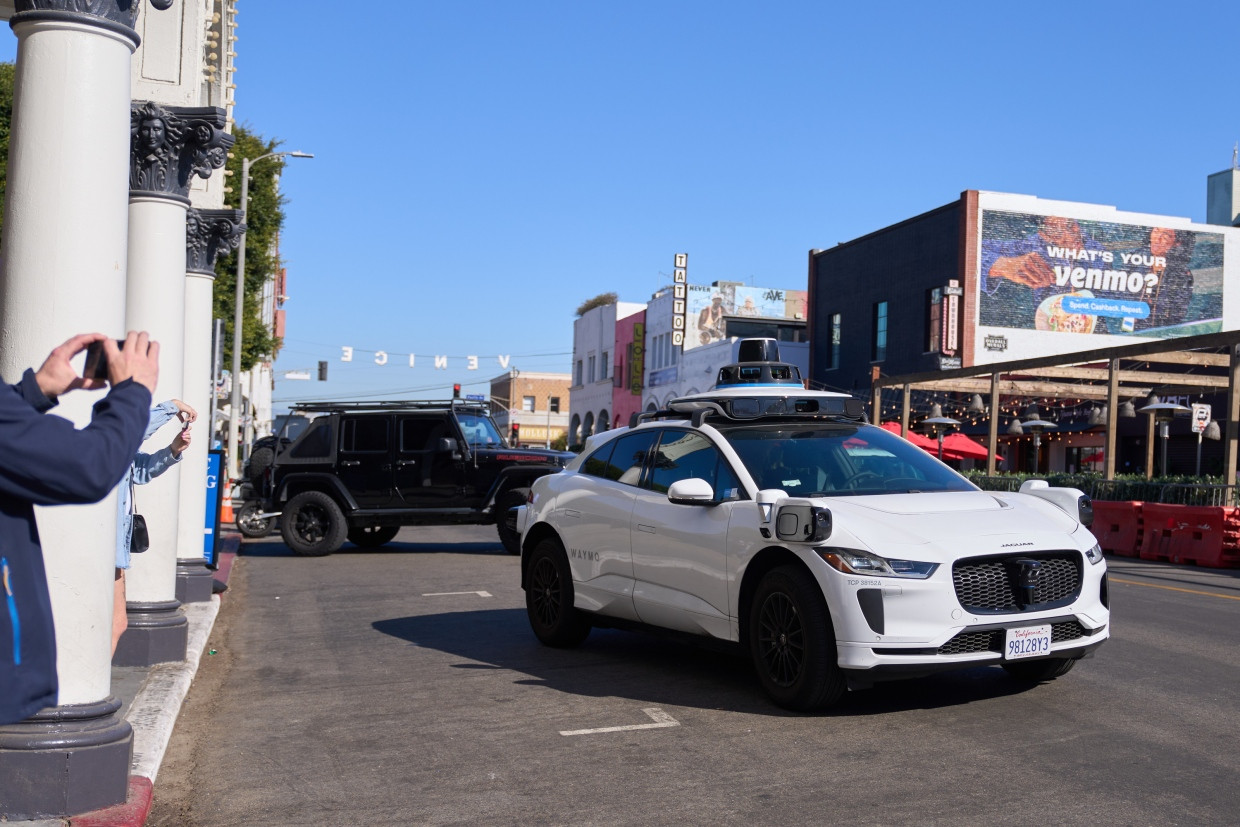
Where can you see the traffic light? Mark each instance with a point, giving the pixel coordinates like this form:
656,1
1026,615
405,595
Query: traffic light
456,391
322,371
516,432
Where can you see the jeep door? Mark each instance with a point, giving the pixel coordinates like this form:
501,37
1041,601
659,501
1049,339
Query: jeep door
680,565
426,475
364,459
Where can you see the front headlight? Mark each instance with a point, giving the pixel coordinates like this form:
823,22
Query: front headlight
853,561
1094,555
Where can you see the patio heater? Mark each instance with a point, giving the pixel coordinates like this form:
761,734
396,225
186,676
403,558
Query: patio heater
936,425
1163,413
1035,423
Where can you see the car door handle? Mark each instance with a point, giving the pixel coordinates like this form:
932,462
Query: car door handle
351,462
404,462
649,529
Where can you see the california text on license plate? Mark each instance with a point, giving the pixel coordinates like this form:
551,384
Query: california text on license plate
1027,642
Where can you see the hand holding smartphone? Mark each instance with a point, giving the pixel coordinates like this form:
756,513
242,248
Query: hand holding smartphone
97,360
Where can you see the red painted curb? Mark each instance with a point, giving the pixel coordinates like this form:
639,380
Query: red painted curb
133,812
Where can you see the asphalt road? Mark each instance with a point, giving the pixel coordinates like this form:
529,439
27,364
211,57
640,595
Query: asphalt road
403,686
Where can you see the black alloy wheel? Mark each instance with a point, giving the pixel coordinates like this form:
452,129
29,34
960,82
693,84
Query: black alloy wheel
549,598
792,641
313,524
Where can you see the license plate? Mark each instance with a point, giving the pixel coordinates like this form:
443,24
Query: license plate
1027,642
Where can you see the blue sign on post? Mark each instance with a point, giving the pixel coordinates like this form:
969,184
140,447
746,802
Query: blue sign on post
211,525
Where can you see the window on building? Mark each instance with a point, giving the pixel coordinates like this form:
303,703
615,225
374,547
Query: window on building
590,374
934,318
605,374
577,373
879,351
527,403
835,342
554,404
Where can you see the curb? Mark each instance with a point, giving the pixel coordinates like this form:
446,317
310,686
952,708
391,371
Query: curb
155,709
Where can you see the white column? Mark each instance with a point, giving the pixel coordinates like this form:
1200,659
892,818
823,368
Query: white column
63,272
155,301
197,389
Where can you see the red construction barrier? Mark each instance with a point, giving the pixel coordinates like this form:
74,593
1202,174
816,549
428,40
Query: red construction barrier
1201,535
1161,521
1118,527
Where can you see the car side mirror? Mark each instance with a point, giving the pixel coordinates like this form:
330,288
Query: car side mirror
691,492
799,521
446,443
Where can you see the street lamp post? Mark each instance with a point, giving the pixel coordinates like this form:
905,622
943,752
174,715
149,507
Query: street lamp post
234,417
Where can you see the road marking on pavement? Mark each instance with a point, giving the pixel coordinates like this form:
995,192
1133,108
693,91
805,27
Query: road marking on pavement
450,594
1174,589
661,720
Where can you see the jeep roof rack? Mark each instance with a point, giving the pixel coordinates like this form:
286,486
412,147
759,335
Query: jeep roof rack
388,405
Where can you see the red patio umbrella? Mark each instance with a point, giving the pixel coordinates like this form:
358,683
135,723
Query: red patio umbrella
1096,456
964,448
931,445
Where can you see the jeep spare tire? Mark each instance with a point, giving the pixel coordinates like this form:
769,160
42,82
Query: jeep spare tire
312,525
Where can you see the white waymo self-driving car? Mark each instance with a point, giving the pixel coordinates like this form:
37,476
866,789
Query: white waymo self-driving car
836,552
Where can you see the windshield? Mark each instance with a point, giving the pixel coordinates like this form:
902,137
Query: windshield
479,430
829,460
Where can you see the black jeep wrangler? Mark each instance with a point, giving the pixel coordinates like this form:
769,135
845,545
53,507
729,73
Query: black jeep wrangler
361,470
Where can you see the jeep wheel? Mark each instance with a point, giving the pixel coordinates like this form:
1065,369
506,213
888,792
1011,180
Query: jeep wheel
549,598
792,642
250,524
508,536
1036,671
312,524
372,536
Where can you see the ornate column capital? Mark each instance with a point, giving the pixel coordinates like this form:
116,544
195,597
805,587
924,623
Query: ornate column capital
209,233
117,15
171,144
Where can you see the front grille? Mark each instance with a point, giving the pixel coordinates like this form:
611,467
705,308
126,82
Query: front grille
992,640
993,585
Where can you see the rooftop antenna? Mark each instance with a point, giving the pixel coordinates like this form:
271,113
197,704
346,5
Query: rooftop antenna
1235,151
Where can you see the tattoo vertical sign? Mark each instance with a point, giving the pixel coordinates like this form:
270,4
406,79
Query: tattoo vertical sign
680,304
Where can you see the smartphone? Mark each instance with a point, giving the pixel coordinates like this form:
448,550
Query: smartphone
97,360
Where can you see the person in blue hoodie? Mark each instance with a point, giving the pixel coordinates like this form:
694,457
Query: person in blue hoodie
46,460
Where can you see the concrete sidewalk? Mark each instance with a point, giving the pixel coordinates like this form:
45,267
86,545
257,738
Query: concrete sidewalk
151,698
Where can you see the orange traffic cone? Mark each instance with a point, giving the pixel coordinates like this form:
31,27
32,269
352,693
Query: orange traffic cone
226,509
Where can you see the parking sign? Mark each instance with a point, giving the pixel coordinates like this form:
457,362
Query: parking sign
1201,417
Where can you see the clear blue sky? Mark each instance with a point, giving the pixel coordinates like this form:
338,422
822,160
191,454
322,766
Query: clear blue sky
484,167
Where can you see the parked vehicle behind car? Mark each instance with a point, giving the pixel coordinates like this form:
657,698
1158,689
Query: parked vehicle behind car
835,553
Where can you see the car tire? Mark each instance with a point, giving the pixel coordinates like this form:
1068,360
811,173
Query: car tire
792,642
312,525
250,524
509,499
372,536
260,461
1036,671
549,598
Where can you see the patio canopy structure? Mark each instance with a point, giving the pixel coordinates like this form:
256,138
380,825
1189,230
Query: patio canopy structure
1206,364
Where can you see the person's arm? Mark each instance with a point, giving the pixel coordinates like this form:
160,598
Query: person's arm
161,414
48,461
147,467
